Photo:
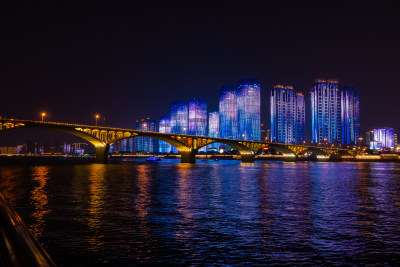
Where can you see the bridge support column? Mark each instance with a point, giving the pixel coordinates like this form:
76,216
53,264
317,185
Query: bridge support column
290,158
102,153
188,156
247,157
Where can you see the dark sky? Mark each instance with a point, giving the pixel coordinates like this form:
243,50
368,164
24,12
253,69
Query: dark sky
127,61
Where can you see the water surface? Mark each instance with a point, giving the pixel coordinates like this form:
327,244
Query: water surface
210,213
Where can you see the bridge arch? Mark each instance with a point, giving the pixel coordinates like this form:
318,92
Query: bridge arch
246,153
100,146
187,153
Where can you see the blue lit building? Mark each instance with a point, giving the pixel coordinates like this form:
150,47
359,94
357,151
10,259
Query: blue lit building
350,116
213,129
383,139
146,144
287,115
179,117
228,113
300,129
127,145
249,110
164,127
326,112
198,117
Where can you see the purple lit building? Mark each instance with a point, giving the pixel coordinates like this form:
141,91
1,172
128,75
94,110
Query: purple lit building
350,116
383,139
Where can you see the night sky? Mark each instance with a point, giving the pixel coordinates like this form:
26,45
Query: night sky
125,62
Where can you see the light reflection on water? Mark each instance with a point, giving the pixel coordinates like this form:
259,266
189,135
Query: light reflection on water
211,213
39,200
97,193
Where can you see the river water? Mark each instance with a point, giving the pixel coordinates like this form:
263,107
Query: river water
210,213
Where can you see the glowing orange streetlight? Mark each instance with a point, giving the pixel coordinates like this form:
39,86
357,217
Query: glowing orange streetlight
43,115
97,117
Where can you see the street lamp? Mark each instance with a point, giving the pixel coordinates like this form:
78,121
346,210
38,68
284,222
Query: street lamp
97,117
43,114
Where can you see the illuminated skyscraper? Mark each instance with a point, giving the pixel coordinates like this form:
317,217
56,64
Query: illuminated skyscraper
350,116
249,110
287,115
384,138
326,111
300,126
179,117
228,113
213,129
198,117
127,144
146,144
164,127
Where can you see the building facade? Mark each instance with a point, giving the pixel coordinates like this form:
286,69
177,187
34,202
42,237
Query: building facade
228,113
326,112
249,110
384,139
164,127
213,129
179,117
350,116
146,144
127,145
287,115
198,117
300,129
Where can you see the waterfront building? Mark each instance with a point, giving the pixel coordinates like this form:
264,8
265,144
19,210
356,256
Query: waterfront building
249,110
384,138
127,145
146,144
79,148
67,148
300,125
179,117
164,127
326,111
198,117
8,150
213,129
116,147
287,115
369,137
350,117
228,113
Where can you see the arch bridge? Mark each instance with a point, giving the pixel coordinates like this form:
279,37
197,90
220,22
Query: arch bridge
187,145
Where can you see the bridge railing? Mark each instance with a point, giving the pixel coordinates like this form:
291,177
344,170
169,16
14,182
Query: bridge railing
18,247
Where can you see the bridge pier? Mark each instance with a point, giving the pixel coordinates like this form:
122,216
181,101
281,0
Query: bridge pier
102,153
290,158
188,156
247,157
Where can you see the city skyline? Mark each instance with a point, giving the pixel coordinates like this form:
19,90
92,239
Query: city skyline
125,69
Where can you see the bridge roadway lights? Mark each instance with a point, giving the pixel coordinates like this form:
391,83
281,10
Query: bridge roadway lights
102,153
188,156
